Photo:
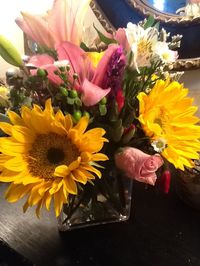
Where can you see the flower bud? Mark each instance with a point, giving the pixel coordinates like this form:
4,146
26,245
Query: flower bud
77,115
63,91
75,76
165,180
41,73
73,94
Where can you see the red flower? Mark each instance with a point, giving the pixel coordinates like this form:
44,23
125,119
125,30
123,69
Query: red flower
165,180
120,100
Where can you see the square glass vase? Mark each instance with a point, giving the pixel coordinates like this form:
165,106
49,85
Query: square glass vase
108,200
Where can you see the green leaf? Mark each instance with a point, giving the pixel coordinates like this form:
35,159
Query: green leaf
9,52
117,130
113,113
102,109
149,23
157,25
84,47
103,38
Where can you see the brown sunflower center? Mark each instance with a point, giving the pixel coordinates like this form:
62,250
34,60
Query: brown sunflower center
49,151
55,155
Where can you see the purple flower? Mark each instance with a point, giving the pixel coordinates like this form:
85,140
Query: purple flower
114,73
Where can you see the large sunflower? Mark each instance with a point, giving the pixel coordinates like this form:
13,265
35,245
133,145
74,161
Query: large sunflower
45,157
167,116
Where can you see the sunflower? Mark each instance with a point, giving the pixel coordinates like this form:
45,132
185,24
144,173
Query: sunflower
45,157
167,117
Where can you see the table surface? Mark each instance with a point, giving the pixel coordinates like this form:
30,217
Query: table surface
162,231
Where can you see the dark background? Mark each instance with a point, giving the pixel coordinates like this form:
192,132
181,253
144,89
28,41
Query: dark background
162,231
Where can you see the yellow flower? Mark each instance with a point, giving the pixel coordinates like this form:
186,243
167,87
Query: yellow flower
95,57
3,96
45,157
167,114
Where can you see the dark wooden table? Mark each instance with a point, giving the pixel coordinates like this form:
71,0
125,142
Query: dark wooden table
162,231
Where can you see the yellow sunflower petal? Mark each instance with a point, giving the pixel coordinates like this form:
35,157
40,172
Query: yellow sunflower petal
79,176
61,171
86,173
86,157
25,206
68,122
57,128
26,116
92,169
70,184
6,127
48,199
9,146
4,158
58,203
56,185
82,125
75,164
23,134
15,118
34,196
99,157
16,164
16,192
39,207
59,117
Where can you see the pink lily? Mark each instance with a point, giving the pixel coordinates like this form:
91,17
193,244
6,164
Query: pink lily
64,22
90,80
46,62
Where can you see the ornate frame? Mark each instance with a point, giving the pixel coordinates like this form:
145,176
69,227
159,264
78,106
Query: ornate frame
141,7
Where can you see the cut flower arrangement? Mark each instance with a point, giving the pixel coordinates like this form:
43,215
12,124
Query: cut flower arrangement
87,112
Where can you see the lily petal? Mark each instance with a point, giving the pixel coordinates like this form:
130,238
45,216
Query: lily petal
102,67
36,27
92,94
78,59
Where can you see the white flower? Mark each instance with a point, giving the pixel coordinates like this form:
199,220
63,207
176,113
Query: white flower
192,10
159,144
61,63
141,41
161,49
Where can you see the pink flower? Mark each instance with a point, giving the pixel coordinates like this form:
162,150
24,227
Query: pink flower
46,62
120,37
139,165
91,81
64,22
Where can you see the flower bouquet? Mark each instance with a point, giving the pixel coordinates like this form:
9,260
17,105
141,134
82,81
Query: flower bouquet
88,113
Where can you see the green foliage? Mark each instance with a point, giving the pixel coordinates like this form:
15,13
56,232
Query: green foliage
103,38
149,23
84,47
102,109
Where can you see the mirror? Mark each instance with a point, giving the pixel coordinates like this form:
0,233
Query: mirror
116,14
166,6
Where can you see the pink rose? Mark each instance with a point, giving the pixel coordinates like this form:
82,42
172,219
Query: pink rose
139,165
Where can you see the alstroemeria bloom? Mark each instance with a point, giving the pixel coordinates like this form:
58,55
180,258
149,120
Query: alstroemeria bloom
139,165
64,22
141,41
